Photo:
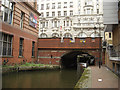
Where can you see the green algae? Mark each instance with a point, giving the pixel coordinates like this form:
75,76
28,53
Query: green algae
82,83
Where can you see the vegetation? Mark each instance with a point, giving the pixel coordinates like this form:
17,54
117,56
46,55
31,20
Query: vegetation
82,83
27,66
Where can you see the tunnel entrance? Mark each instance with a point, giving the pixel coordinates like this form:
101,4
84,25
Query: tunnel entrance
71,59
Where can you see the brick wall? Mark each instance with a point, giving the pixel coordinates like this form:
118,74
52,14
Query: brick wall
28,38
28,33
56,43
48,56
18,7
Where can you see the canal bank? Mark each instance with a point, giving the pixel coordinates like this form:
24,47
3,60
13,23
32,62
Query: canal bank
85,79
28,67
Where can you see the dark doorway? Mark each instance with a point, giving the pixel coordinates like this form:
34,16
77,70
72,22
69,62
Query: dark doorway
70,59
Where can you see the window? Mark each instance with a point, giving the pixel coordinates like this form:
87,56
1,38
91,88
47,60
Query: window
53,5
65,13
33,49
71,4
55,23
113,67
47,14
71,13
67,23
42,15
71,23
47,6
6,14
42,6
58,23
21,47
67,35
109,35
47,24
59,5
43,35
53,13
21,19
43,24
65,4
55,35
64,23
5,44
88,11
97,11
59,13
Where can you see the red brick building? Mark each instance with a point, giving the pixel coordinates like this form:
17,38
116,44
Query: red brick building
19,32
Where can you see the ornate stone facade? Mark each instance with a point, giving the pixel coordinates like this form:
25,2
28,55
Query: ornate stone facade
76,19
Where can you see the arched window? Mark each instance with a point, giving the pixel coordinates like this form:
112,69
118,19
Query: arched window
55,35
95,34
67,35
81,34
43,35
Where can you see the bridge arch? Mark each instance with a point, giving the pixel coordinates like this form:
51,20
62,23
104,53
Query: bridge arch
70,59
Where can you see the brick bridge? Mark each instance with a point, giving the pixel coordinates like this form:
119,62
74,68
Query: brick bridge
53,51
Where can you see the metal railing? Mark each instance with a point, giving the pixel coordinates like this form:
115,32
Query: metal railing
113,54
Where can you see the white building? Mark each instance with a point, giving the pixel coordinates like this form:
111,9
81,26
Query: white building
71,18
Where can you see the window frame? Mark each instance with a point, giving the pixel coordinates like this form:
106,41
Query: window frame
53,5
42,6
7,10
59,13
65,13
53,14
22,49
71,12
47,14
22,19
33,49
59,5
8,46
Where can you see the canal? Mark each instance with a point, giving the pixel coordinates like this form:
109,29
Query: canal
66,78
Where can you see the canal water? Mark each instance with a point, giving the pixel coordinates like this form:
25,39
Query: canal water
66,78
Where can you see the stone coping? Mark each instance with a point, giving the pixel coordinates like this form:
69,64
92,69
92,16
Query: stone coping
85,80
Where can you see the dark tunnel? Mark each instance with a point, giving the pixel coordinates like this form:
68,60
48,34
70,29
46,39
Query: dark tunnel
70,59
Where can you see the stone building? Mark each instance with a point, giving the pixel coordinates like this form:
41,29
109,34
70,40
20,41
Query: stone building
19,32
71,18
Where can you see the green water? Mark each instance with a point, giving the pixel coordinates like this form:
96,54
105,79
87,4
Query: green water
41,79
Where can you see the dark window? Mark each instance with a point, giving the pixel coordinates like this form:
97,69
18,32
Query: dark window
109,35
97,11
5,44
113,66
64,23
21,20
33,48
21,47
42,6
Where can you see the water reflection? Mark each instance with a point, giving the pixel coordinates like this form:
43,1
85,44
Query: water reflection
41,79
